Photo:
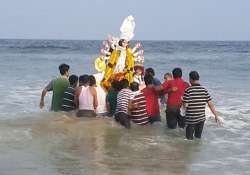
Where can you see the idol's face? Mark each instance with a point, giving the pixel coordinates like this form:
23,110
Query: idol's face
125,43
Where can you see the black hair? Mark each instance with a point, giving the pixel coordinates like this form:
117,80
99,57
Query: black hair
194,75
177,72
83,79
63,68
73,79
150,71
120,42
167,74
116,85
92,80
124,83
148,79
134,86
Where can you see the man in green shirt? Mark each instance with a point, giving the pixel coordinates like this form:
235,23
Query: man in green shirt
58,86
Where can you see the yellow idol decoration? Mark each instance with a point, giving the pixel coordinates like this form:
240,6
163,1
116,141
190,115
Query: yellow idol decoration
113,73
100,65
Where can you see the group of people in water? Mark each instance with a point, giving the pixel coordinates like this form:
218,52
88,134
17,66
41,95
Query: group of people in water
137,102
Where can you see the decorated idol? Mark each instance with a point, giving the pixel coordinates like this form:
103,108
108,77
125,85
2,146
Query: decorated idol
118,59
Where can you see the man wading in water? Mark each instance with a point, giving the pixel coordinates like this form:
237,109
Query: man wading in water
58,86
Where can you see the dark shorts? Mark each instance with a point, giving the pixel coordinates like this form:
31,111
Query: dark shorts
86,113
123,119
173,117
104,114
110,114
194,130
155,118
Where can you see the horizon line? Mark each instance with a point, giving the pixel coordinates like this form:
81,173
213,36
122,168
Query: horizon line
188,40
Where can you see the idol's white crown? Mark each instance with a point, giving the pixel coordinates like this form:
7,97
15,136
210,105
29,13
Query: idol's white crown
127,28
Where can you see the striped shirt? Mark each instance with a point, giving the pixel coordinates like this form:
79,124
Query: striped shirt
196,98
68,99
123,100
139,114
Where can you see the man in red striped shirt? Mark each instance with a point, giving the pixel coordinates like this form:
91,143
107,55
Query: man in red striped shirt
137,105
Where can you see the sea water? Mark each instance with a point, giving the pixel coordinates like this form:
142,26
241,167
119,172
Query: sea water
35,141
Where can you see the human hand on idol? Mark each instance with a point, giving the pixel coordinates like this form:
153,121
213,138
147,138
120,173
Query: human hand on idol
138,45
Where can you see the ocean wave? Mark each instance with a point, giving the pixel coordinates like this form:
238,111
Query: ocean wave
40,47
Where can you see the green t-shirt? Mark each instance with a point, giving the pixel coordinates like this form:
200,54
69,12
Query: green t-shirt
59,85
112,100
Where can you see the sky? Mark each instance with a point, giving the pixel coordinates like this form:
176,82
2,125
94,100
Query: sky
155,19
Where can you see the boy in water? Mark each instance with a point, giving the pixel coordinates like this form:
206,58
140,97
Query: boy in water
194,100
58,86
137,105
122,111
167,77
68,103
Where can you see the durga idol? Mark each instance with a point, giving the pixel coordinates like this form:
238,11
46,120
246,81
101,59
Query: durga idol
118,57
